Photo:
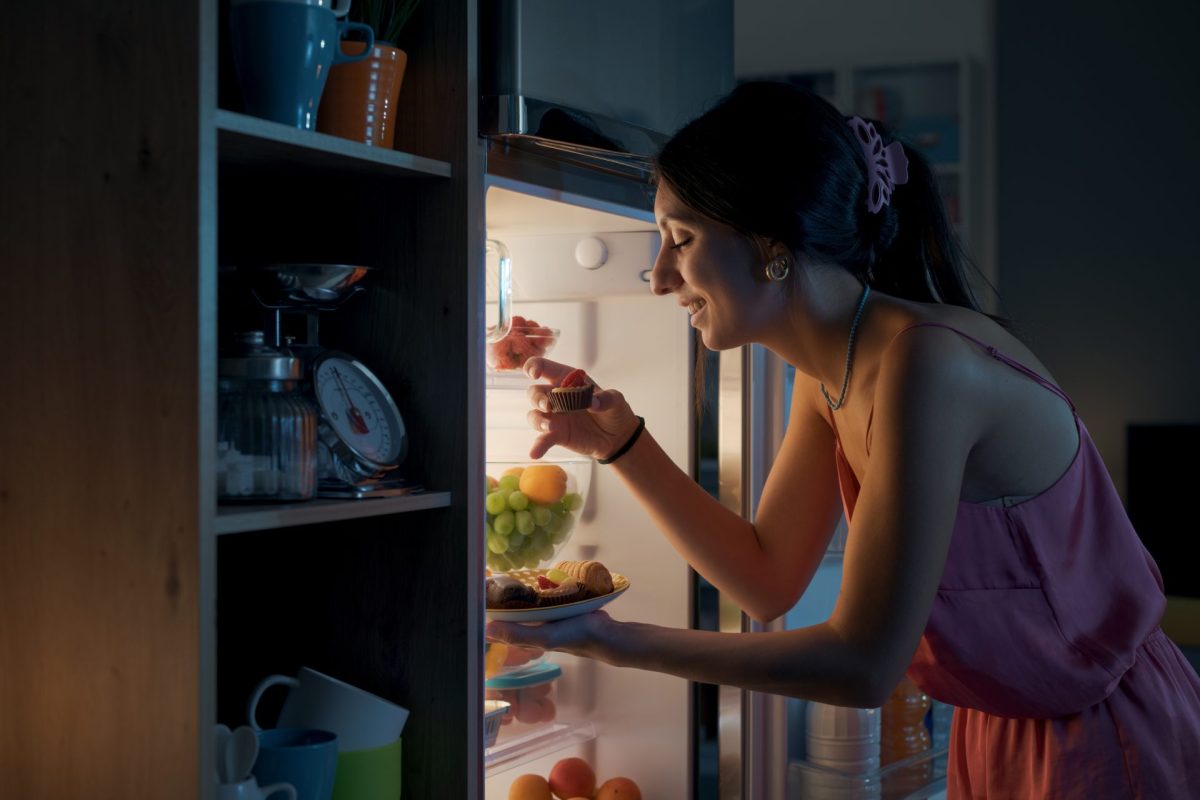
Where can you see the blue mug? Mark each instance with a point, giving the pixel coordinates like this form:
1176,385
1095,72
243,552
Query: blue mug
282,51
304,757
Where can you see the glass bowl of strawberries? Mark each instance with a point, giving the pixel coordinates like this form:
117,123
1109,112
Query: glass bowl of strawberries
524,340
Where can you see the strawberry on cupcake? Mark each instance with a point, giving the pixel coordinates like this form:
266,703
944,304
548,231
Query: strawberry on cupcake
573,393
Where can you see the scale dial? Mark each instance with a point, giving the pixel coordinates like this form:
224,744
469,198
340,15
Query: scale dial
362,426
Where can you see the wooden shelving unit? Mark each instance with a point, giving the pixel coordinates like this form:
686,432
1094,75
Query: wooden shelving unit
145,610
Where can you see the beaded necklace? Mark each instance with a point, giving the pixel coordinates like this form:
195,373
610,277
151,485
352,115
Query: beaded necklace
849,354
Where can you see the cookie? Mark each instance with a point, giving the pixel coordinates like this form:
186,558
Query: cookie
594,576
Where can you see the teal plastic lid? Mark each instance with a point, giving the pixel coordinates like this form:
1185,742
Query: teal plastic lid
539,673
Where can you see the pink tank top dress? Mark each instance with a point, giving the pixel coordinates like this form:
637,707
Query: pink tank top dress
1044,634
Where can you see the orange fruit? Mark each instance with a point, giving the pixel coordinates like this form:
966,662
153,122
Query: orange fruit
544,483
572,777
619,789
494,658
492,483
529,787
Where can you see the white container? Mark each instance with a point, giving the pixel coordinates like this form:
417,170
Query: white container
843,750
532,695
494,712
842,723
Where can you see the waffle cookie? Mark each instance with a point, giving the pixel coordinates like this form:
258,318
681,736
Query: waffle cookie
594,576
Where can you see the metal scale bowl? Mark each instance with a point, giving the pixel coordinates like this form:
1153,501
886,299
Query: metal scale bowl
361,435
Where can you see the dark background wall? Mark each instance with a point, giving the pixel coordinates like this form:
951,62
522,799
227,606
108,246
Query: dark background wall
1098,199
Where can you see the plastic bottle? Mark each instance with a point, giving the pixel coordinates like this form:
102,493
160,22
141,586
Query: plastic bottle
902,735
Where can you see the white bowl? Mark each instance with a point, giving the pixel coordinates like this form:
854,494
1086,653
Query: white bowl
537,518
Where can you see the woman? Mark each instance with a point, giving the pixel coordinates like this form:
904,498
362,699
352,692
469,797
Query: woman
988,554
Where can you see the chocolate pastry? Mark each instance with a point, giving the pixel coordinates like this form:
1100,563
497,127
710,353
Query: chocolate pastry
506,592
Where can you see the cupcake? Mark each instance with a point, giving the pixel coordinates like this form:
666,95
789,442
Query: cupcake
573,393
505,592
595,577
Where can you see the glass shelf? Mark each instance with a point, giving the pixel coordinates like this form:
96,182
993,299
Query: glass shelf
545,740
513,379
241,518
914,778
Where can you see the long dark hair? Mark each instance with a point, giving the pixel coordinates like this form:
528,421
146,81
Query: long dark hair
776,162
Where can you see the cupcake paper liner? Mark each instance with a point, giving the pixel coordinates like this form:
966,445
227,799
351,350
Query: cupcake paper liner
575,398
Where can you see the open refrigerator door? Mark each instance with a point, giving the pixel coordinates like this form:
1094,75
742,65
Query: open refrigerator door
580,269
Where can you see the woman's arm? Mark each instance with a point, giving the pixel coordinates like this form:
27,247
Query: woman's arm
930,410
764,567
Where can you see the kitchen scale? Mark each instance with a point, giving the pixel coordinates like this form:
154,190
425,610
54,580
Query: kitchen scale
361,436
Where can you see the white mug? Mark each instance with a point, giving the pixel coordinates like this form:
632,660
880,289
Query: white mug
250,790
361,720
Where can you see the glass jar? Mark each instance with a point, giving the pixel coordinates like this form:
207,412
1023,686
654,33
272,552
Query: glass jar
266,426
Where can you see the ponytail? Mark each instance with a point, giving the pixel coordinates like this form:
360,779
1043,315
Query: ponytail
916,253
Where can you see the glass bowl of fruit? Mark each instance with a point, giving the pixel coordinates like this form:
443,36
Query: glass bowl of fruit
524,340
531,509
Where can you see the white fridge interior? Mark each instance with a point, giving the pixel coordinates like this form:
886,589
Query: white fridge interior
625,723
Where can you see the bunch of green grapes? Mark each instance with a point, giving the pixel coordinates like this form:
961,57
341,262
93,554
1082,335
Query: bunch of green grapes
523,534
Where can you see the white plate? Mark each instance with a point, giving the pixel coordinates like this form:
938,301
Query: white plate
552,613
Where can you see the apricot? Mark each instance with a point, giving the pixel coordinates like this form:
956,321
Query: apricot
544,483
572,777
619,789
529,787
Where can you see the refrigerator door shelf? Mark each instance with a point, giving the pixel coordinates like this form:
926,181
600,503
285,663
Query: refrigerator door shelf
535,744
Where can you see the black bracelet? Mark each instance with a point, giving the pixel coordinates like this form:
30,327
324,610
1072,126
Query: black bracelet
641,426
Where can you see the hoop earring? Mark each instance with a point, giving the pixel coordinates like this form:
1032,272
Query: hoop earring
778,268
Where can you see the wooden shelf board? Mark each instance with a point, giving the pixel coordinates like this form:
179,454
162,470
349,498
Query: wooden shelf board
245,140
238,519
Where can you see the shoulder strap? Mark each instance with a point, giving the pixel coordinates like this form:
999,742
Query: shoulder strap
991,351
996,354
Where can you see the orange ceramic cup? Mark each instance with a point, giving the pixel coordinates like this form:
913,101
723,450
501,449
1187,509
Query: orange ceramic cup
359,102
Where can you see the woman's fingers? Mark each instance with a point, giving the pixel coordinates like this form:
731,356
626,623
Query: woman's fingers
605,400
515,633
541,445
544,369
538,396
552,431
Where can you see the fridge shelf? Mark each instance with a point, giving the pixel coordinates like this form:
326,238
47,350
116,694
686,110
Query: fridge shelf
914,778
537,743
238,519
513,379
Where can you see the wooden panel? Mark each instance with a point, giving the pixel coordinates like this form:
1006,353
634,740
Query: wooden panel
99,403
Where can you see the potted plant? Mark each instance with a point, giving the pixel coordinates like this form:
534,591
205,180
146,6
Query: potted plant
360,98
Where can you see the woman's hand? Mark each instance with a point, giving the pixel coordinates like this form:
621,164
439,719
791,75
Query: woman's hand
597,432
589,635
